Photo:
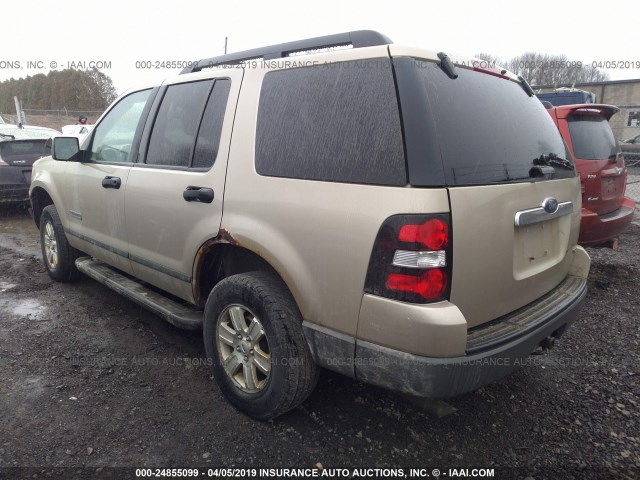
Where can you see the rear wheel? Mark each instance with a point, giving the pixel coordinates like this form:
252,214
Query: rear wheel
59,257
253,337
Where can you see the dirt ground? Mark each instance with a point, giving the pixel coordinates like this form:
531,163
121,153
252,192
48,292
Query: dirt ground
89,380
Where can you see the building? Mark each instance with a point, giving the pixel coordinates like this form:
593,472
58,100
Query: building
623,93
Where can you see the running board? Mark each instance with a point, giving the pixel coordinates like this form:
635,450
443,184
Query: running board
179,315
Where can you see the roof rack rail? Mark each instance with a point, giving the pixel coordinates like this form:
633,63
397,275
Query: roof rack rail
357,39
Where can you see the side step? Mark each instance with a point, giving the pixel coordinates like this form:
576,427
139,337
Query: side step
179,315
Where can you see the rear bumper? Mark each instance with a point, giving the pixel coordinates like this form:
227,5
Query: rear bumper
493,350
14,184
503,347
14,193
598,229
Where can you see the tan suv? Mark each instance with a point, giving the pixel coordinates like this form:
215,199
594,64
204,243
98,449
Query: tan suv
403,217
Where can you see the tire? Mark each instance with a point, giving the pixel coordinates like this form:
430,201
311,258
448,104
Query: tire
271,370
58,256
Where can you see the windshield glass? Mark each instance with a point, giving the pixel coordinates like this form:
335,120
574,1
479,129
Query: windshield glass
490,131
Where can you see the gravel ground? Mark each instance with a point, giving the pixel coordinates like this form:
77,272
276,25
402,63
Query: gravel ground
91,381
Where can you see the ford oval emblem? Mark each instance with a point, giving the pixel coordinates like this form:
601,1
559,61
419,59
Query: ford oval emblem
550,205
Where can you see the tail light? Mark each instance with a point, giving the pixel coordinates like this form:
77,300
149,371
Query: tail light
411,259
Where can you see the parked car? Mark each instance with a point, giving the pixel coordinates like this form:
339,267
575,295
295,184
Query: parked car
631,150
78,130
606,212
567,96
370,210
19,148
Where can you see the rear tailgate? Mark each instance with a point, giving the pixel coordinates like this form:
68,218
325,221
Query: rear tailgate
602,169
499,266
499,154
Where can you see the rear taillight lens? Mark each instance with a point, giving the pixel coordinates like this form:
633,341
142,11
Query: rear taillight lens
411,259
433,234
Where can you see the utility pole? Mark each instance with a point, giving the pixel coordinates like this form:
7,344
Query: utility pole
225,45
19,112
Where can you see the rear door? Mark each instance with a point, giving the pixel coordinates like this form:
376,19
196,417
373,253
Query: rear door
503,161
175,192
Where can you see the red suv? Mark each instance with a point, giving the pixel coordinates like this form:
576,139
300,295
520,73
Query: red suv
606,212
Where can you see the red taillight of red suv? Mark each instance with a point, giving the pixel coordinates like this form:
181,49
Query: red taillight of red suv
411,259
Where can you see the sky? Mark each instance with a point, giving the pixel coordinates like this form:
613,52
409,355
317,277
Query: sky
129,40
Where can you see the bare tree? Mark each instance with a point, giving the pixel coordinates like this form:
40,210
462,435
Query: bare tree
545,69
491,59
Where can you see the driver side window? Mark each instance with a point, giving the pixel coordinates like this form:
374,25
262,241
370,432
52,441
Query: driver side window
113,136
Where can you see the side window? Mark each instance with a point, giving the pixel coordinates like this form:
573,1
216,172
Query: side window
208,140
337,122
186,132
113,136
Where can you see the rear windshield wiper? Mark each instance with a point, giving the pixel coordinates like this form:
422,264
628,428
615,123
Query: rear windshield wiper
7,135
613,158
553,160
525,86
447,65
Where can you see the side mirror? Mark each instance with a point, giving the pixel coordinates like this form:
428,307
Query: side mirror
66,148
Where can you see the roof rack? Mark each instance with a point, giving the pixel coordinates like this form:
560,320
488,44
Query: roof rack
356,39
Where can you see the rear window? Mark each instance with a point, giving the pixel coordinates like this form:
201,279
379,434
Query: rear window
488,129
591,137
336,122
28,150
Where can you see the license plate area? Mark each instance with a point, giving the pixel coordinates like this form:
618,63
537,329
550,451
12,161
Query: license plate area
539,246
611,188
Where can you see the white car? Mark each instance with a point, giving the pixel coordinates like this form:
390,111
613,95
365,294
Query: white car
80,131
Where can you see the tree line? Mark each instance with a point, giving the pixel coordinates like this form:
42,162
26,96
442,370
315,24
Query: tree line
547,69
70,89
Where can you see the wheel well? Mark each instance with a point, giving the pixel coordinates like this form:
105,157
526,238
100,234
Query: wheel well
39,200
221,260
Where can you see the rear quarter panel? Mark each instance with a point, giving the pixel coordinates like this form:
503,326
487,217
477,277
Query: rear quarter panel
317,235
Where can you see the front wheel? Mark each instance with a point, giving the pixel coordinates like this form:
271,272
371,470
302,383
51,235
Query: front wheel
59,257
253,338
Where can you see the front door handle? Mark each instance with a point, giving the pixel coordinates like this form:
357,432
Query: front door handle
111,182
198,194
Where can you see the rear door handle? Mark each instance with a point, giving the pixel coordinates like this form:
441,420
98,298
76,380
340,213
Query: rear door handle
198,194
111,182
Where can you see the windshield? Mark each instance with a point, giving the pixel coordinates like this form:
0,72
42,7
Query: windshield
490,131
592,137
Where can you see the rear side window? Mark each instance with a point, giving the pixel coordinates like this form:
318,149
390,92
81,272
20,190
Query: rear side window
208,139
176,126
187,129
337,122
591,137
487,129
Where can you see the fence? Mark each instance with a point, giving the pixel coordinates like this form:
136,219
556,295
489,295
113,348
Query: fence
63,112
633,183
55,119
